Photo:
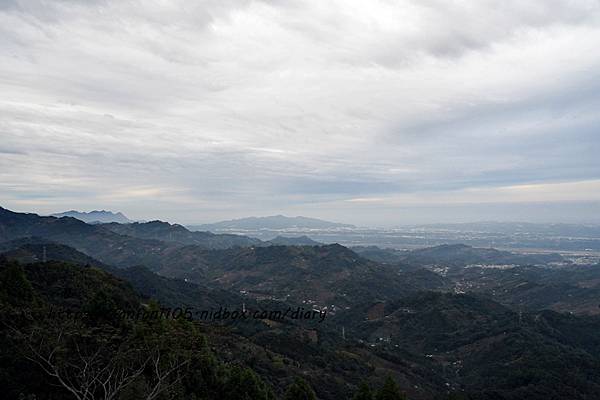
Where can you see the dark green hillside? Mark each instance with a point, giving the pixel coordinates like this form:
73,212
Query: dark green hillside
325,275
68,315
176,292
35,249
488,350
170,292
91,353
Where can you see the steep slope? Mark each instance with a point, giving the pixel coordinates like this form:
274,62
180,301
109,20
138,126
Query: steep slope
169,292
176,292
35,249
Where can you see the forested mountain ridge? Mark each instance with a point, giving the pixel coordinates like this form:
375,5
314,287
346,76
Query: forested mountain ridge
397,319
441,343
101,243
323,274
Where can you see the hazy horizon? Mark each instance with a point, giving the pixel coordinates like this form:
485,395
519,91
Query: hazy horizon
434,220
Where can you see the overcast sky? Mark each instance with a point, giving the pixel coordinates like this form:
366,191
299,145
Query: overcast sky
368,112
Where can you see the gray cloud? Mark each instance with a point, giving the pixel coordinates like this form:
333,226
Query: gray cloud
195,111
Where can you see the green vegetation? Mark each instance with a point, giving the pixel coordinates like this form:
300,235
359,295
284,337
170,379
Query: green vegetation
299,390
364,392
390,391
63,334
64,330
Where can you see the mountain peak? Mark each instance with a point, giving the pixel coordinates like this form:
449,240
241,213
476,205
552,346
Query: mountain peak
271,222
95,216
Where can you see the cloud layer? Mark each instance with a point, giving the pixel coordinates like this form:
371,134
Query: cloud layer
352,110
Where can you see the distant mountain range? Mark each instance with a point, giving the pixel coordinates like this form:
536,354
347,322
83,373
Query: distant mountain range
274,222
95,217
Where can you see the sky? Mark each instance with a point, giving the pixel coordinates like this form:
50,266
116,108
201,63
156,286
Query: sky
377,113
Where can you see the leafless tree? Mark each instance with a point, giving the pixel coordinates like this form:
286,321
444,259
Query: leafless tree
165,374
102,373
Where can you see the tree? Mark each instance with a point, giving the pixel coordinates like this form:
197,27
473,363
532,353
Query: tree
98,362
390,391
364,392
300,390
89,371
16,288
101,308
68,321
244,384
